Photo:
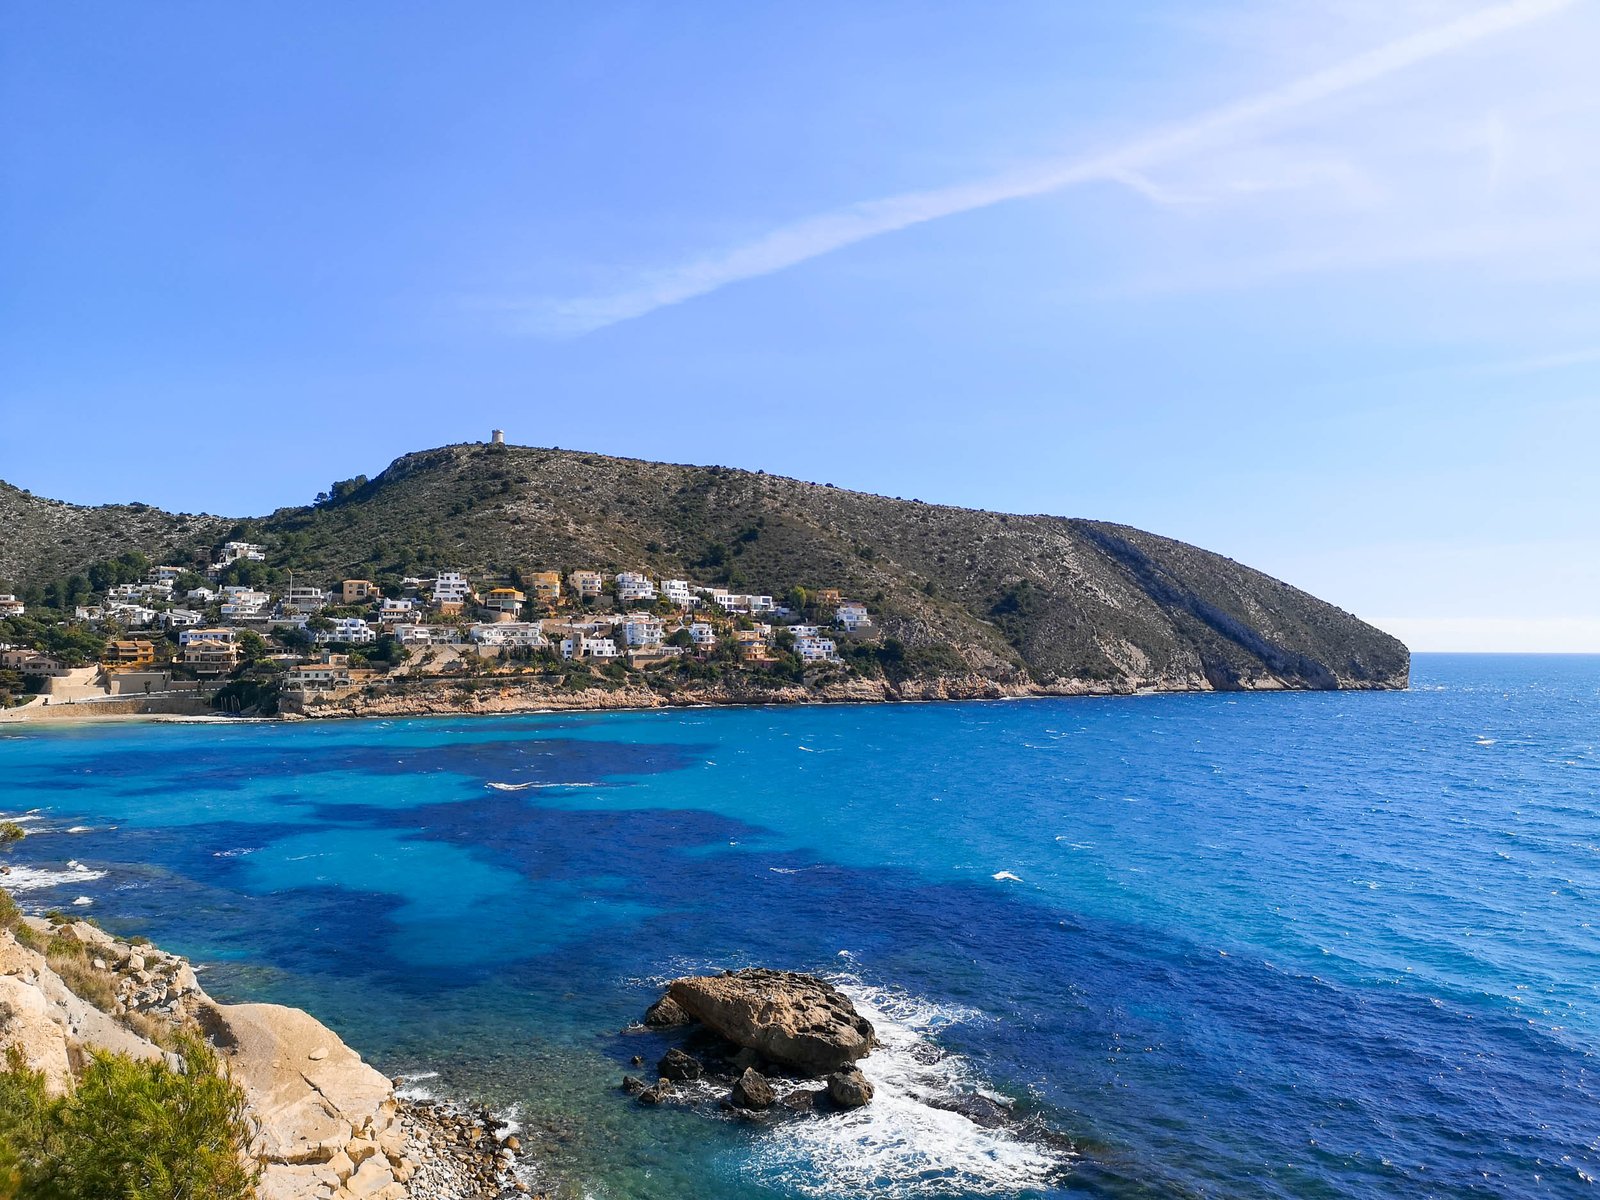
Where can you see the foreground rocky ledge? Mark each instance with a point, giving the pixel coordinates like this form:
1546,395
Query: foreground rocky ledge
327,1125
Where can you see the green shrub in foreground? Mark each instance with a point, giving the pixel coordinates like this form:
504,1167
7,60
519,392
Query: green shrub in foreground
132,1130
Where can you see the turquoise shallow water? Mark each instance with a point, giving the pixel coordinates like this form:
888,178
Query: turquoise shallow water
1276,945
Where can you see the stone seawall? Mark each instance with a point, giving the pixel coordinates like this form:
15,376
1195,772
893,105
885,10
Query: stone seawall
121,706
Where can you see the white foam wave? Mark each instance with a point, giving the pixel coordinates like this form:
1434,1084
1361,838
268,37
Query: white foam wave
236,852
83,901
80,829
517,787
38,879
900,1145
412,1088
1004,875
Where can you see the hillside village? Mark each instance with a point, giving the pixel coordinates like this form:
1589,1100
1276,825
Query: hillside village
247,646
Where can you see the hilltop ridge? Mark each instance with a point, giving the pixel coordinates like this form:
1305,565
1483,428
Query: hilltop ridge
1053,602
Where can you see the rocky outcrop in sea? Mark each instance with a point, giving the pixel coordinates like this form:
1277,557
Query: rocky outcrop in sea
766,1037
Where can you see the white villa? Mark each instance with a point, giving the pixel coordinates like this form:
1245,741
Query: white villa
642,631
248,551
678,591
304,599
347,629
852,616
221,634
244,604
584,646
397,610
510,633
130,615
816,649
633,587
451,588
427,635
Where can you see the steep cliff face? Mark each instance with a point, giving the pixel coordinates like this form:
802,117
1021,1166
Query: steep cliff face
1040,599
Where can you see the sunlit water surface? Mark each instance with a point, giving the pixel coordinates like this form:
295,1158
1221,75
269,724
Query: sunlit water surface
1276,945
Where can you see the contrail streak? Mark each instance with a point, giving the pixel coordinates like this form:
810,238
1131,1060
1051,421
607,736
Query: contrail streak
812,237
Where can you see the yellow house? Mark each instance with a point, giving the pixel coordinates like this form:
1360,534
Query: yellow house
826,597
546,587
752,645
129,652
352,590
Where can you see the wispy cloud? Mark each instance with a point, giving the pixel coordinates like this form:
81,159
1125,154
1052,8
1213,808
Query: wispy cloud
1126,165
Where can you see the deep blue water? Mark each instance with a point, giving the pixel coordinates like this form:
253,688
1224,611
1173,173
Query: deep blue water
1276,945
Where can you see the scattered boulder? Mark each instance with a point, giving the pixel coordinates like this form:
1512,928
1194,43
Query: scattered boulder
751,1090
801,1100
662,1090
980,1110
633,1085
795,1020
679,1067
849,1088
665,1014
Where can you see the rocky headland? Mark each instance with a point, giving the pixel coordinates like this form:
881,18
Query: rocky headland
505,695
1010,598
325,1125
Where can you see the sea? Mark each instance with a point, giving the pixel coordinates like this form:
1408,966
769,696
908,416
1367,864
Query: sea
1209,945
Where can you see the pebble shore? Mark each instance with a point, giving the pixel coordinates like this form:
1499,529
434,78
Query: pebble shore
462,1153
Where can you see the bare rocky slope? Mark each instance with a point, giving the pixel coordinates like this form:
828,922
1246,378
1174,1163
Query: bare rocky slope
1036,601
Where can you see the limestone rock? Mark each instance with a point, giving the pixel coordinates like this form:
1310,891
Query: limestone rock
25,1023
849,1088
801,1100
679,1067
665,1014
751,1090
795,1020
655,1095
307,1108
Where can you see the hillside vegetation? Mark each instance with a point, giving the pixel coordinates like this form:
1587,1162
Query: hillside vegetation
1060,602
47,539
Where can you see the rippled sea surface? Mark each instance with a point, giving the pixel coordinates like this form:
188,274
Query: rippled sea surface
1243,946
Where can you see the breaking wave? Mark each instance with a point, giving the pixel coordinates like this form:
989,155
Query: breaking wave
38,879
904,1144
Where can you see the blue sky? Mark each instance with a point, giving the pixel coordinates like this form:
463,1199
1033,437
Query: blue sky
1311,284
